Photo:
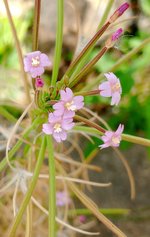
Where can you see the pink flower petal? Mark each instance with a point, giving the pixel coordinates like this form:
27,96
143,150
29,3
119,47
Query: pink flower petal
47,128
119,129
45,62
115,98
63,135
57,137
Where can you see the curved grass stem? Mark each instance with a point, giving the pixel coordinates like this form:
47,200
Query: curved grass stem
18,144
28,195
18,48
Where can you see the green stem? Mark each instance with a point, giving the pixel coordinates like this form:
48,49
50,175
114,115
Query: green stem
124,59
16,147
106,13
87,93
18,48
105,211
88,130
88,67
136,140
37,8
125,137
52,189
59,39
28,195
7,115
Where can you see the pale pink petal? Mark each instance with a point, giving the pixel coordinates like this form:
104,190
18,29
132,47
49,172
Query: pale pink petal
67,125
78,101
119,129
57,137
115,98
58,112
59,105
66,95
36,71
63,135
68,114
105,145
47,128
45,62
27,64
104,86
105,93
111,77
52,118
59,108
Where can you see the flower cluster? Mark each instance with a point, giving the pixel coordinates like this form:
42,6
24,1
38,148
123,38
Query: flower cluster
61,120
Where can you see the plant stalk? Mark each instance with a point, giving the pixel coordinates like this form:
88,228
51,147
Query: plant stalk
52,189
37,7
59,39
28,195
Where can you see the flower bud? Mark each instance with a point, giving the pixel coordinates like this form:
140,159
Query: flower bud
115,36
39,82
119,12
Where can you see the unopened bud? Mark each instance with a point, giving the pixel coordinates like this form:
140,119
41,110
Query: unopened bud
119,12
115,36
39,82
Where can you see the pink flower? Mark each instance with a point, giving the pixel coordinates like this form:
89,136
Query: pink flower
112,138
111,88
35,62
62,198
68,104
117,34
39,82
57,126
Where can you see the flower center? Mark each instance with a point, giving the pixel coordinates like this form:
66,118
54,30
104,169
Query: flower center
35,61
115,87
115,140
57,127
70,106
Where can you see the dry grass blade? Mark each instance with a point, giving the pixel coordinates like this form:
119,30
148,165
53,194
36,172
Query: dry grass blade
62,222
14,131
91,205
